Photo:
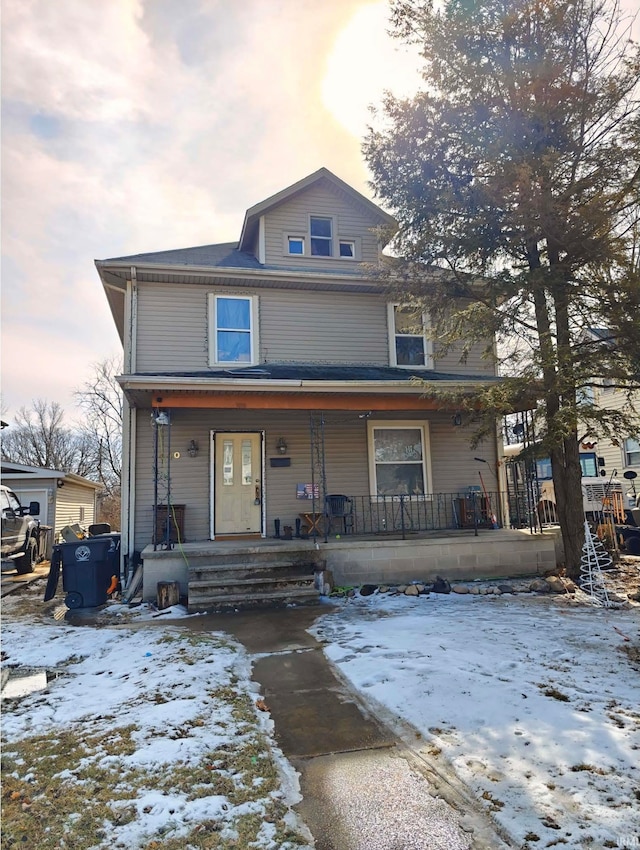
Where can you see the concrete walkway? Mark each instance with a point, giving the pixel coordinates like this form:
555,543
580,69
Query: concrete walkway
363,789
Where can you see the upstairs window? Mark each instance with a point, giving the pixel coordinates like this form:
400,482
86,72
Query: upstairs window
295,244
631,452
408,344
347,248
232,329
321,236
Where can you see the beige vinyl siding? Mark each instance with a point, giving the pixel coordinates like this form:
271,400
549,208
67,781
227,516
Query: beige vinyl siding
320,327
292,217
346,461
293,326
614,456
70,499
172,327
475,364
323,327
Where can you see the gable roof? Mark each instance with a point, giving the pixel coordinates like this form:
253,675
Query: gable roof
253,214
23,472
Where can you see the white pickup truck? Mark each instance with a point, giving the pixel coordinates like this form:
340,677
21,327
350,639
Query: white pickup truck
20,531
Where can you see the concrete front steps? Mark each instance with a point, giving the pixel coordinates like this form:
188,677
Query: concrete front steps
251,577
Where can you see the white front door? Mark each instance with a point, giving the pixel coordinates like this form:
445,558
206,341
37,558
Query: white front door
237,483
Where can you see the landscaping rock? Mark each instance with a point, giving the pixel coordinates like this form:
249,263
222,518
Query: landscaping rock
441,585
475,591
539,585
401,588
506,588
368,589
556,585
459,588
412,590
383,588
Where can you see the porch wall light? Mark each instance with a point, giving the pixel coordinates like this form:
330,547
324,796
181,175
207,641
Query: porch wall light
281,446
193,449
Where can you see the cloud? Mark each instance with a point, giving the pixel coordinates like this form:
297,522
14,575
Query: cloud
138,126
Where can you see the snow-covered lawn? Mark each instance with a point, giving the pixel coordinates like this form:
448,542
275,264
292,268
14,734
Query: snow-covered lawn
148,738
154,737
534,702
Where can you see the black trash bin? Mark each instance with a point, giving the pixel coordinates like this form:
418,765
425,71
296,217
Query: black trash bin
88,567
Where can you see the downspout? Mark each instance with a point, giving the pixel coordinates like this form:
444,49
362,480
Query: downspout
129,430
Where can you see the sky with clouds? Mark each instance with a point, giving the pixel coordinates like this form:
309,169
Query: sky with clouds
140,125
143,125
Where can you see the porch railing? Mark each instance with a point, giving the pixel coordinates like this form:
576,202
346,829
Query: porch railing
404,515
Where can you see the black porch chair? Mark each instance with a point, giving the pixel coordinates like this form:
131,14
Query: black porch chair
338,511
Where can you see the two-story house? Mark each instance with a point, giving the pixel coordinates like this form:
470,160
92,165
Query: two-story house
263,376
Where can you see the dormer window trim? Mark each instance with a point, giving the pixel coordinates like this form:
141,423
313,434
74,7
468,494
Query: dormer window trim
322,230
296,243
396,338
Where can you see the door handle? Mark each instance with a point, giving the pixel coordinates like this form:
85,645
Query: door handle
256,501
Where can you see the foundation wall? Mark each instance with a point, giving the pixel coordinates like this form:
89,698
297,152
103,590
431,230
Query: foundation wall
493,554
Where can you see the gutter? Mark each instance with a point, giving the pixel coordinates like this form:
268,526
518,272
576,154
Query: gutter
230,271
217,384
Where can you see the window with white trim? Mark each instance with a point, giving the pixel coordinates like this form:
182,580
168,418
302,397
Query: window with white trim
631,452
321,230
347,248
408,344
295,245
232,329
399,458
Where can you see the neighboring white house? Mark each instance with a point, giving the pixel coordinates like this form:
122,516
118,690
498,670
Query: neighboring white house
65,498
622,453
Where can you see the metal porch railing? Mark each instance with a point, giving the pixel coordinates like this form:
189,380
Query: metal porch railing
404,515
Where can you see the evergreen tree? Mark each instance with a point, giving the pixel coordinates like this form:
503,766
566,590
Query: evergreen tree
514,175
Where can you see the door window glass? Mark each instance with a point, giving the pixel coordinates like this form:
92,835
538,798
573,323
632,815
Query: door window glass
247,475
227,463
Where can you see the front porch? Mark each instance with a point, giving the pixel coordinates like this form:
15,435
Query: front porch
217,574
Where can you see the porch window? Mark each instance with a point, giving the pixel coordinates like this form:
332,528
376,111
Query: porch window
232,329
408,345
399,458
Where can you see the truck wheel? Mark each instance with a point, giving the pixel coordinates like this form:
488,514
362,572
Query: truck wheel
27,562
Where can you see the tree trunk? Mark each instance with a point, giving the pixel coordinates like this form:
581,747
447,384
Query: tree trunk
567,483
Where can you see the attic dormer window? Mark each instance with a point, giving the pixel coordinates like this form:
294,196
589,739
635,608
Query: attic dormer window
321,237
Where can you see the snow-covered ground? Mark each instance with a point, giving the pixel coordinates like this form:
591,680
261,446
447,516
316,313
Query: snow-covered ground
146,705
532,701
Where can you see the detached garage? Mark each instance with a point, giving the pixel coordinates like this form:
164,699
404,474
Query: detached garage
65,498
